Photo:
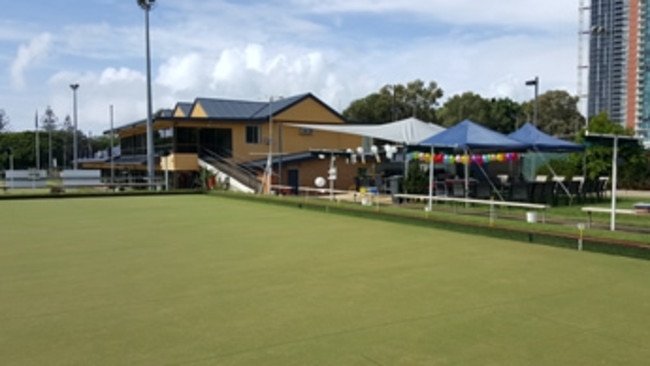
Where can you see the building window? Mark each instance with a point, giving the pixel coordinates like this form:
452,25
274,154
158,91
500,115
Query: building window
306,131
253,134
187,140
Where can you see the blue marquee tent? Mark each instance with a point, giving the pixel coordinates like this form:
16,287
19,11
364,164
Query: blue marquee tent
540,141
468,135
543,142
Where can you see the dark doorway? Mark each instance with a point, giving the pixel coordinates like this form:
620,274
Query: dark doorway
217,140
293,180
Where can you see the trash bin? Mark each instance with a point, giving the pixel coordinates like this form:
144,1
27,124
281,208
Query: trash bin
393,183
531,217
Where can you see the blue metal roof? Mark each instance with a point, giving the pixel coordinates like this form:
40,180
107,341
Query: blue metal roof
226,109
185,107
278,106
234,110
163,113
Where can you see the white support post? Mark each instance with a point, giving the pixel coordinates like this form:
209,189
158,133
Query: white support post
612,223
431,179
332,175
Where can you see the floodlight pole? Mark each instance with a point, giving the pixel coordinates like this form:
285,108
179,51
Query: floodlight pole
270,176
74,88
110,151
146,5
535,82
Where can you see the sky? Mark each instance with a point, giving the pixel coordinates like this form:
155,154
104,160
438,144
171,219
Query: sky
339,50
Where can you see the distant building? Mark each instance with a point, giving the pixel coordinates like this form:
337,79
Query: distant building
619,63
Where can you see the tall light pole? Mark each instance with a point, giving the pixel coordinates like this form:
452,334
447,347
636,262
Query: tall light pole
74,88
110,149
146,5
535,82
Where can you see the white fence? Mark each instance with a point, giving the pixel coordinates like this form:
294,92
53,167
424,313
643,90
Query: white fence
30,178
81,178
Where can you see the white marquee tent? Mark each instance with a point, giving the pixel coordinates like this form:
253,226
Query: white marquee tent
409,131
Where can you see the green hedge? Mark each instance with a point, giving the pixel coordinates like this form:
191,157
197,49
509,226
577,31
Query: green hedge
95,194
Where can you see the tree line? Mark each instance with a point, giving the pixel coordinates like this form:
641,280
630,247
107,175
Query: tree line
54,142
558,115
558,112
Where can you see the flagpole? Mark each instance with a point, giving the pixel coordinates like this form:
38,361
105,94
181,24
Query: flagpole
37,144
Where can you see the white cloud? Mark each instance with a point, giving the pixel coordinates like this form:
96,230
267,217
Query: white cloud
256,71
14,31
255,50
123,74
181,73
529,13
27,55
494,68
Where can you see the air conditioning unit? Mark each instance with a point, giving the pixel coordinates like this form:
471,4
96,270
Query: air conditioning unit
306,131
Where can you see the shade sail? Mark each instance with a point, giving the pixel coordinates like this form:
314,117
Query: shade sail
468,135
409,131
542,141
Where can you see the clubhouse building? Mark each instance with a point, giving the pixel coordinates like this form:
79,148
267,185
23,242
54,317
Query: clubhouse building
234,139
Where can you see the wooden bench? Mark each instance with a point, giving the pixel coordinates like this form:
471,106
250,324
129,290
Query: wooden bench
608,210
491,203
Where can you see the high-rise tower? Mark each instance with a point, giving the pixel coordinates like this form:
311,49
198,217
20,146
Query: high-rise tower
608,58
619,62
643,96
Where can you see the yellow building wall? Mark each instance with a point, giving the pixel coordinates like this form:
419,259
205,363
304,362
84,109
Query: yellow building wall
308,111
178,113
311,169
180,162
294,141
198,111
286,139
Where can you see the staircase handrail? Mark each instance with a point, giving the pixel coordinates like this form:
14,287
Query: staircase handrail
245,176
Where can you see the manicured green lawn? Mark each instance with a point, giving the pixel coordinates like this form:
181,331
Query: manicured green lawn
212,281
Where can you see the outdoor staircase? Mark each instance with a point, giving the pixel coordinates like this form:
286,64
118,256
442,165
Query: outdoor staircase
240,179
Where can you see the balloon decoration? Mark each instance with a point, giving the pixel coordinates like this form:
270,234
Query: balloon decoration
465,159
